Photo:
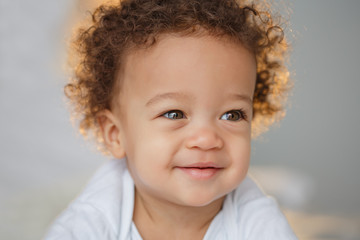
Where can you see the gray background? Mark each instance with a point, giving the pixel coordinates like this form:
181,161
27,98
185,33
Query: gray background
310,161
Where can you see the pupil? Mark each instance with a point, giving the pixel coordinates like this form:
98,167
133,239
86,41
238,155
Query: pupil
175,115
232,116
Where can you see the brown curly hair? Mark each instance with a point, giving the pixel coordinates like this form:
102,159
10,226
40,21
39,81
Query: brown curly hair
116,29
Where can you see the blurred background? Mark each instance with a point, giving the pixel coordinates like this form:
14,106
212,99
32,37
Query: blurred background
309,162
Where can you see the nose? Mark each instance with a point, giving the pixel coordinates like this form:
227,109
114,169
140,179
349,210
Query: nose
204,139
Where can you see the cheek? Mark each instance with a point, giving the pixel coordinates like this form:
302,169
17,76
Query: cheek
238,169
240,150
151,149
159,139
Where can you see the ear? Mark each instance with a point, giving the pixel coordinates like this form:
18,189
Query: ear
110,129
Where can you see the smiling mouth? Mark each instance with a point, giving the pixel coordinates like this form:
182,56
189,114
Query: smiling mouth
200,172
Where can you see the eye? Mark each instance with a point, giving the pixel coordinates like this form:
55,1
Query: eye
174,114
234,115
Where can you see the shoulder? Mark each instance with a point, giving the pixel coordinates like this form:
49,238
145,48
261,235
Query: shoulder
257,216
80,222
95,214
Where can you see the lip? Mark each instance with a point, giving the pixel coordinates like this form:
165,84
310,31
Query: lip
200,170
202,165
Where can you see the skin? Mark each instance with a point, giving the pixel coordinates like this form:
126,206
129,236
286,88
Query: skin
185,102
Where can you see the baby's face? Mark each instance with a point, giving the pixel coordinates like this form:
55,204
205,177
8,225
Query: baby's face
185,109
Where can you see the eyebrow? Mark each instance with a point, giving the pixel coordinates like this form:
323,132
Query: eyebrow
182,96
241,97
169,95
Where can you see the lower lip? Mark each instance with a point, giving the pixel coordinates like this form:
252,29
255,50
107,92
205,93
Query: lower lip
200,173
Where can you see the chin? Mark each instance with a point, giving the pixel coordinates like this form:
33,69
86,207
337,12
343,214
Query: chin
201,201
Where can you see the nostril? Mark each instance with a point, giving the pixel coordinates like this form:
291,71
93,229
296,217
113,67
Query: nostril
205,139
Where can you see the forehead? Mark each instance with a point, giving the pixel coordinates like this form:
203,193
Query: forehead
183,63
172,48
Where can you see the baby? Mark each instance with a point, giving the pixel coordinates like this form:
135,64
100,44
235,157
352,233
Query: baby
174,90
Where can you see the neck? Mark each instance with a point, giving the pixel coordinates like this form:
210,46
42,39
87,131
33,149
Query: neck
157,219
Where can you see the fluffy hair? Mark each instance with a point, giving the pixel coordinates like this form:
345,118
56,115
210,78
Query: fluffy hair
115,29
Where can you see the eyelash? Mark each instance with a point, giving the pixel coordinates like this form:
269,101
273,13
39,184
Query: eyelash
173,111
241,114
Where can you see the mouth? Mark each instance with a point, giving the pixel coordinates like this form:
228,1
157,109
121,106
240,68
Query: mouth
201,171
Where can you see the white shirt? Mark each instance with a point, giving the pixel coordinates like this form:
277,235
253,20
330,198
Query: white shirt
104,212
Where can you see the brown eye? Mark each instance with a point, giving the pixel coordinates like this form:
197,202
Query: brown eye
174,114
234,115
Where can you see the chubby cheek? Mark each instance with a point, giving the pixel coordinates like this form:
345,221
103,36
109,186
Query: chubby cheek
152,155
240,159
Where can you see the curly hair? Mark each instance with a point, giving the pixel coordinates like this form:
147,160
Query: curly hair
116,29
